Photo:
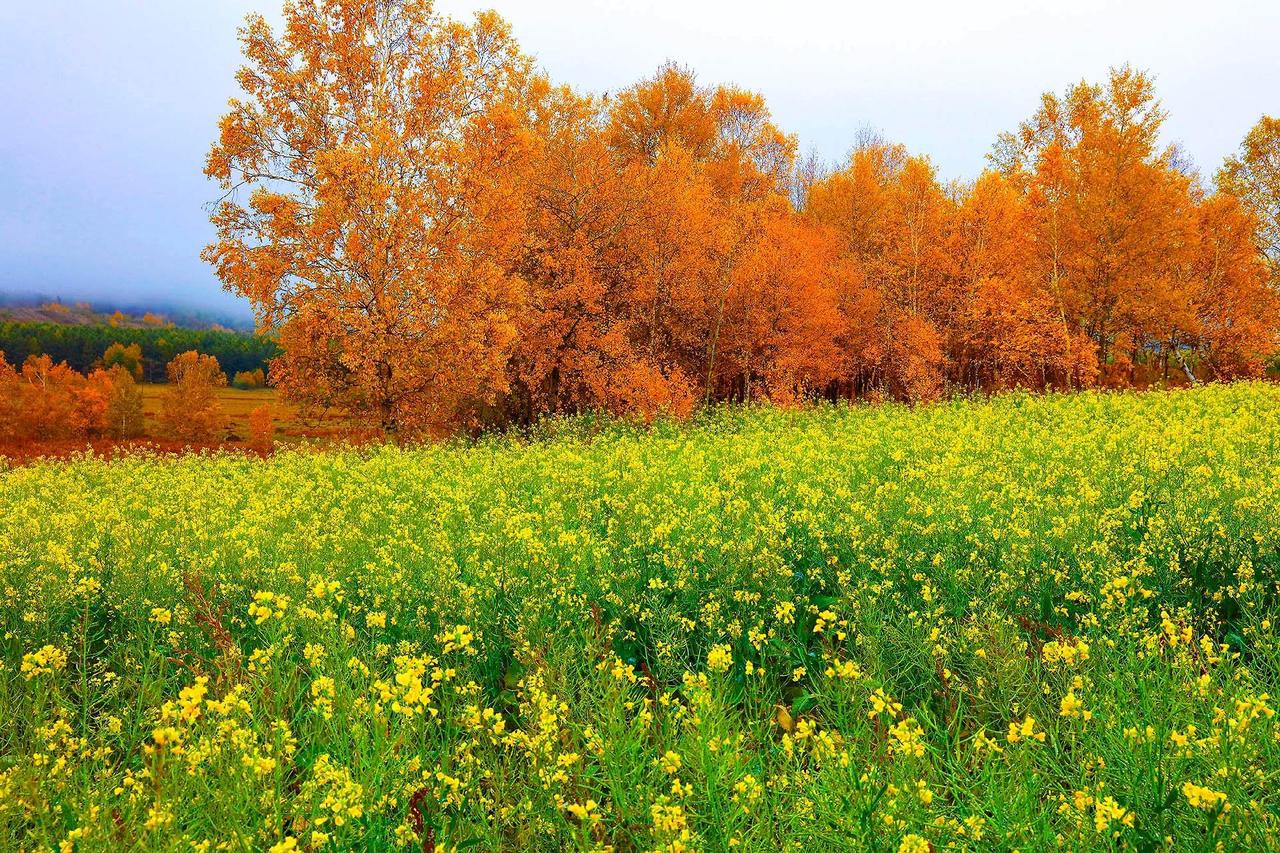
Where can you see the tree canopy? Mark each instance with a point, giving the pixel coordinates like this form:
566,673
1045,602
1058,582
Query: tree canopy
441,238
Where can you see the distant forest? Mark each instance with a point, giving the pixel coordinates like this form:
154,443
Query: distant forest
81,346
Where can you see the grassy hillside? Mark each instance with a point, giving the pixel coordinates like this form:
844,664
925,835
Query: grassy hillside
1021,623
29,309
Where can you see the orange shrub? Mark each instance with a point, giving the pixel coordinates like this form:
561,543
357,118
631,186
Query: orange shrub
189,409
262,429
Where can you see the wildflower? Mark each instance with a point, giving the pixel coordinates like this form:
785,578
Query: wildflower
1025,730
322,696
459,638
1071,706
746,792
1205,798
908,738
912,843
587,812
983,743
45,661
267,605
158,817
1106,811
322,588
720,658
88,586
844,669
668,817
190,697
340,796
1064,653
881,703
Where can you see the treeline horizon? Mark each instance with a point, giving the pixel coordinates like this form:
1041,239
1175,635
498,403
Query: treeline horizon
82,347
443,237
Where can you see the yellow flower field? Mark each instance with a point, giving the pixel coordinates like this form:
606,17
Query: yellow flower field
1027,623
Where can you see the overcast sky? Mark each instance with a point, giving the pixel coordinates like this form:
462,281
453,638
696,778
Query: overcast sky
107,107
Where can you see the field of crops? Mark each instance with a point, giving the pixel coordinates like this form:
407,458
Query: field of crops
1030,623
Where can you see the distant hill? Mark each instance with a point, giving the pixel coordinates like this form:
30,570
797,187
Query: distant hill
16,309
80,333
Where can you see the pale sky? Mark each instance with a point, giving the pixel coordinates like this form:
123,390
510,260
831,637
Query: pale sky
107,107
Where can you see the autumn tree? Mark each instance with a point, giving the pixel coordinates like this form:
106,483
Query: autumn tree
645,210
1237,310
780,322
375,172
1128,248
443,239
890,217
57,402
49,400
128,357
124,411
716,165
1253,176
250,379
10,401
261,429
576,334
92,398
46,407
1112,216
1005,329
189,407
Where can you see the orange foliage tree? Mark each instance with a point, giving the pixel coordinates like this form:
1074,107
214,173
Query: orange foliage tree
46,401
1253,175
1236,309
1005,329
576,336
444,239
189,408
1112,219
261,429
375,178
124,417
10,401
248,380
891,218
1121,228
646,210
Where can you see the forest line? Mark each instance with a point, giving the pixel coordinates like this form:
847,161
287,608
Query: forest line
442,237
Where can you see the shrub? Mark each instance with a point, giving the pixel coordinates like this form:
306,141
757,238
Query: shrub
261,429
189,409
248,380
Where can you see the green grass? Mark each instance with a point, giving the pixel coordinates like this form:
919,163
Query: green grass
292,425
766,630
